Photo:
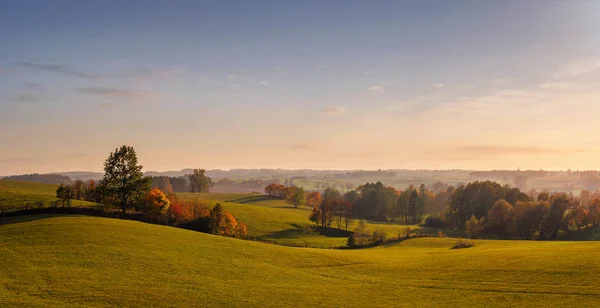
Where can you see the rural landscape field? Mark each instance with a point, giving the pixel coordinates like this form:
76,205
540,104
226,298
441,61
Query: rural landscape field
299,154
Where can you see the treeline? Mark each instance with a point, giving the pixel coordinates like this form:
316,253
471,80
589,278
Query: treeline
481,208
292,194
41,178
196,182
372,201
490,208
499,174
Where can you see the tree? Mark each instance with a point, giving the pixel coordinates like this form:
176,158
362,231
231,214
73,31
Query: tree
64,193
156,203
199,182
217,217
473,226
593,216
314,199
296,196
500,218
124,183
78,190
361,236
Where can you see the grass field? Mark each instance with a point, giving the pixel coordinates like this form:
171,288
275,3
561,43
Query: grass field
279,222
16,194
96,262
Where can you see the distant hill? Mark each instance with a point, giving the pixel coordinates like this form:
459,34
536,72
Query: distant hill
41,178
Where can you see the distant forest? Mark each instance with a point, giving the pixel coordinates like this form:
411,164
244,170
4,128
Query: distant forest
41,178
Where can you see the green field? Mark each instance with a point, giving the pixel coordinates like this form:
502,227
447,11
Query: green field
90,261
15,195
279,222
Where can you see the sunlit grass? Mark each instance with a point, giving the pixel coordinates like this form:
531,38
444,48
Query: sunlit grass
89,261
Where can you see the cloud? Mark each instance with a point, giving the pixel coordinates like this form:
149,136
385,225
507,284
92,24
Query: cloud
322,66
14,160
106,105
265,83
302,147
438,85
113,92
57,69
334,111
25,97
35,87
234,77
487,150
366,73
381,87
555,86
578,68
74,155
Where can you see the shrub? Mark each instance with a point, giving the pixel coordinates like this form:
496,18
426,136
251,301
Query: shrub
434,221
461,243
360,237
379,236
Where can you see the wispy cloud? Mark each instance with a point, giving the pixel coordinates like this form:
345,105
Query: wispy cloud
113,92
35,87
334,111
488,150
106,105
555,86
578,68
302,147
265,83
438,85
25,97
57,69
381,87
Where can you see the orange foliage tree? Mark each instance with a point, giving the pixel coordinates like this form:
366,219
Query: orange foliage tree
156,203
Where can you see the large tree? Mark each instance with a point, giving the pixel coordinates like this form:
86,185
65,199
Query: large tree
200,182
124,183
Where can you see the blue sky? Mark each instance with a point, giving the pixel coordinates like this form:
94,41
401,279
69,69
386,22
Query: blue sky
316,84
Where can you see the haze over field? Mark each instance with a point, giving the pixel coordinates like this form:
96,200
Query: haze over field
321,85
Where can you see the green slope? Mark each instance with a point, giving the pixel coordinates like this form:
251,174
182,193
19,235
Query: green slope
14,195
279,222
90,261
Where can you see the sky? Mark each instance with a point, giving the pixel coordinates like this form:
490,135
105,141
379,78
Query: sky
305,84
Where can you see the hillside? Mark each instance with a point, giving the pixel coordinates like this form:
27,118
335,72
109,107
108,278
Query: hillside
279,222
90,261
15,195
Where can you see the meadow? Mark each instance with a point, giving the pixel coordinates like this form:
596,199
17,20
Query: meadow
277,221
16,195
78,261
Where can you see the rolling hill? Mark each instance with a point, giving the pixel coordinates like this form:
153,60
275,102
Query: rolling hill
277,221
15,195
97,262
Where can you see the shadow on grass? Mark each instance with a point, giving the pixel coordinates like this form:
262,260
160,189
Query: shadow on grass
299,231
27,218
252,199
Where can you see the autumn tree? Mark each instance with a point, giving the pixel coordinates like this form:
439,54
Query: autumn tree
124,183
593,216
500,218
314,199
200,182
156,203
